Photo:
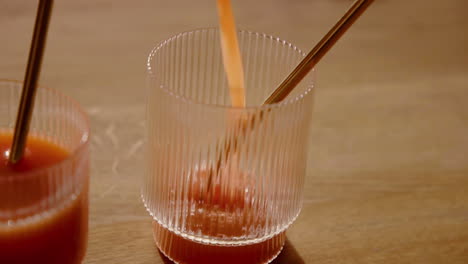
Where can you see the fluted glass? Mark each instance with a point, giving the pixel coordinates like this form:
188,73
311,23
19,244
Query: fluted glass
217,174
50,221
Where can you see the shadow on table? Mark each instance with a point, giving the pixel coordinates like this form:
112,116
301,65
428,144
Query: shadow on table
289,255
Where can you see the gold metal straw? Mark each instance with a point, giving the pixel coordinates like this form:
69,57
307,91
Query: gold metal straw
30,80
314,56
304,67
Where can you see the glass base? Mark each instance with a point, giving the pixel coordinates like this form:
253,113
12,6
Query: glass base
184,251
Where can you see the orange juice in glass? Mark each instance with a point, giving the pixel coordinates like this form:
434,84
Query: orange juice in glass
208,206
44,197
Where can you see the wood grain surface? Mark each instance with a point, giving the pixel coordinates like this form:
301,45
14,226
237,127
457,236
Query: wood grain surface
387,178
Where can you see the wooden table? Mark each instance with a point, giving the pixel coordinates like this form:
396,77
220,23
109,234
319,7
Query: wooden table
387,177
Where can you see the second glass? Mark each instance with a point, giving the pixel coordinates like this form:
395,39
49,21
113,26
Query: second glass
44,198
224,183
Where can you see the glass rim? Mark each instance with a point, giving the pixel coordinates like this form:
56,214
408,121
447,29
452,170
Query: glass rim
286,102
84,140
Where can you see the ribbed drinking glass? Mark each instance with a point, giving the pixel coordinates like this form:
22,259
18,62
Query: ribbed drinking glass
44,209
224,183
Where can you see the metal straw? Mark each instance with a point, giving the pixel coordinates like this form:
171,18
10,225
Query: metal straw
314,56
30,80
